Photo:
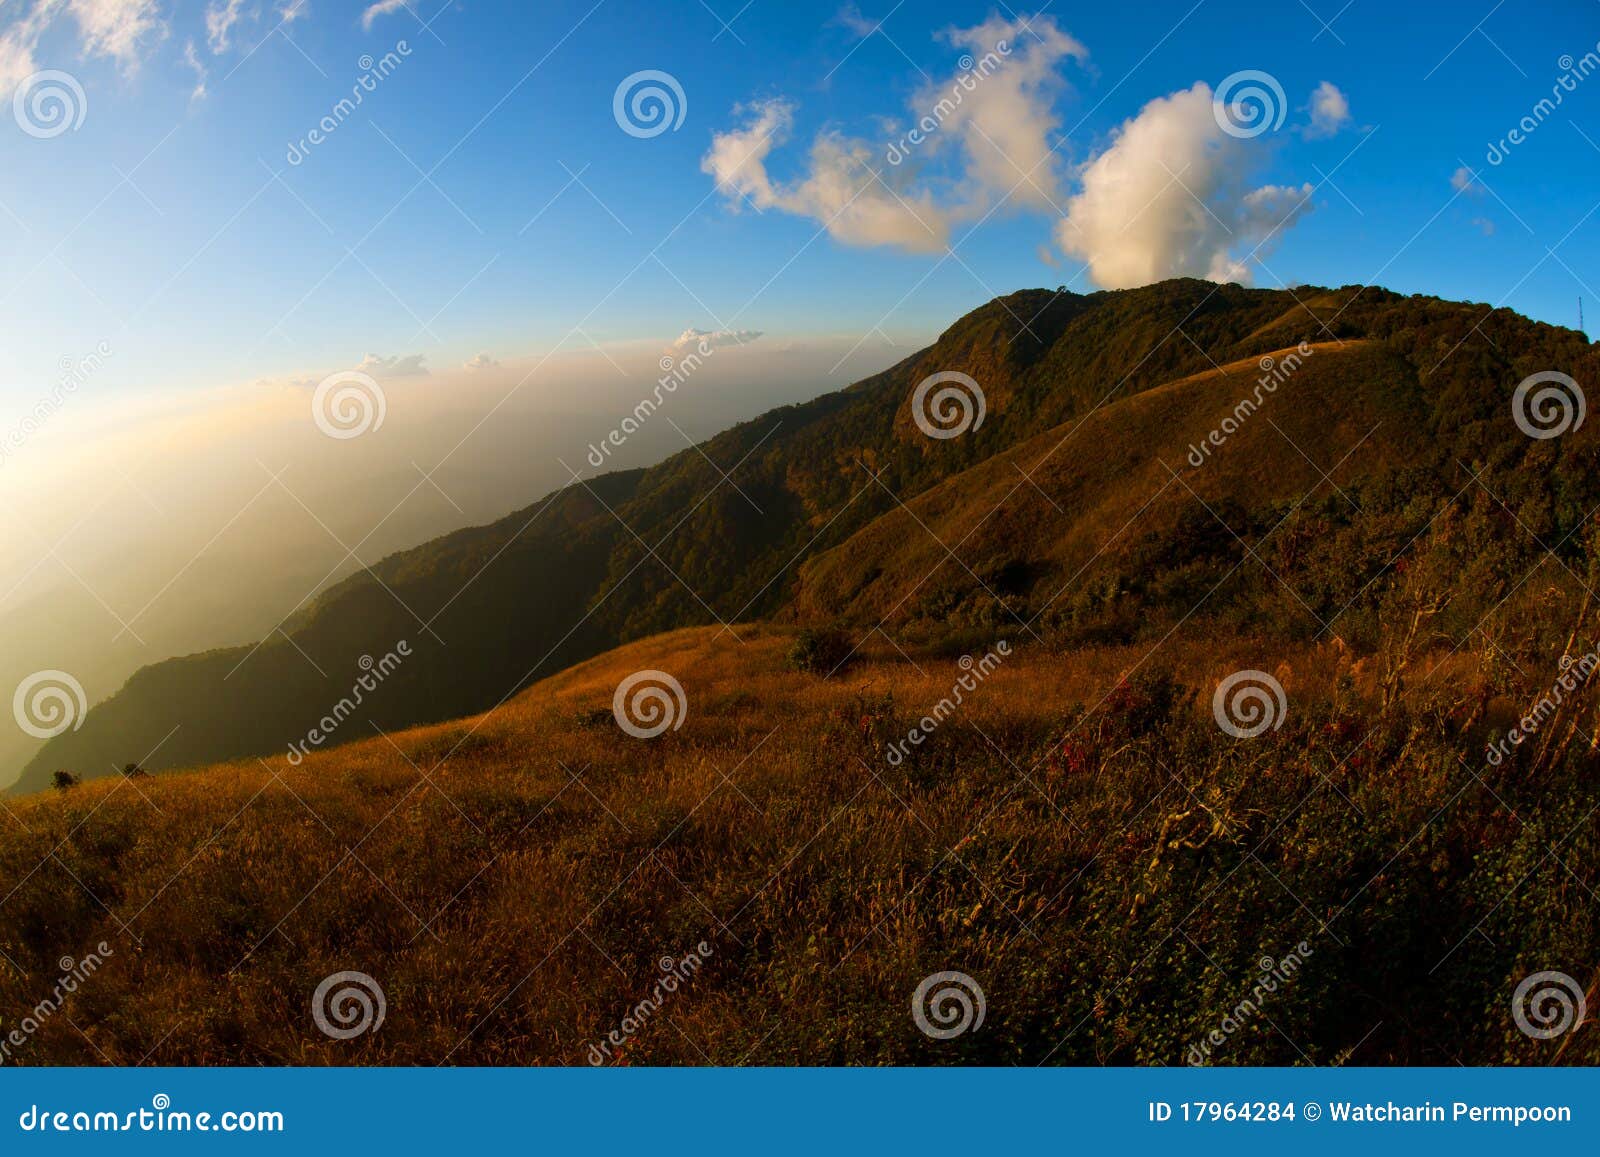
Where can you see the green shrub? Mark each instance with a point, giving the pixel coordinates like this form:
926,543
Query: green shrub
821,651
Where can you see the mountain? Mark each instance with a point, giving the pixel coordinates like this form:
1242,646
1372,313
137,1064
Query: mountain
1226,695
841,509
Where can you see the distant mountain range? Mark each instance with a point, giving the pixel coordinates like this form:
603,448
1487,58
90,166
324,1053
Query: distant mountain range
1172,427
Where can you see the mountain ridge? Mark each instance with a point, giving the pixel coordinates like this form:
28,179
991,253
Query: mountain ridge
719,532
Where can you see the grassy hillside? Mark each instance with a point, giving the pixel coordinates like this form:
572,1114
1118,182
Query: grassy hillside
1093,851
1092,392
1075,513
490,609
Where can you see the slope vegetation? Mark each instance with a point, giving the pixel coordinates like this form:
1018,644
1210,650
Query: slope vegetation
1109,869
1089,394
1023,535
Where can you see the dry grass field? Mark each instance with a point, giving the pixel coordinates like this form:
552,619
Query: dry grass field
1110,868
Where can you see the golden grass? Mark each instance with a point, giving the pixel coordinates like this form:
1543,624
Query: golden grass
512,880
1076,498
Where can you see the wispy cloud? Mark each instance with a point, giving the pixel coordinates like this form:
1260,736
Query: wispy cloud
191,57
713,338
860,26
380,9
221,16
1464,180
119,29
398,366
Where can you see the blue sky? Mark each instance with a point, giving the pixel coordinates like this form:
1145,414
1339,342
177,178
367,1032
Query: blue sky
483,198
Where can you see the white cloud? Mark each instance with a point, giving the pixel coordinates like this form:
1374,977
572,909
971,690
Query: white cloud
399,366
839,190
113,28
17,43
993,124
381,8
851,18
293,10
1464,180
1005,121
117,28
1168,198
713,338
221,16
192,58
1330,110
480,361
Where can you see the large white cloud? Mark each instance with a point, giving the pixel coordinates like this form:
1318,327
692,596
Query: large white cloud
1169,197
994,120
1006,120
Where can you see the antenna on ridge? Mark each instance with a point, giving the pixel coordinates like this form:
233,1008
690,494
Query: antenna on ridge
1580,317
